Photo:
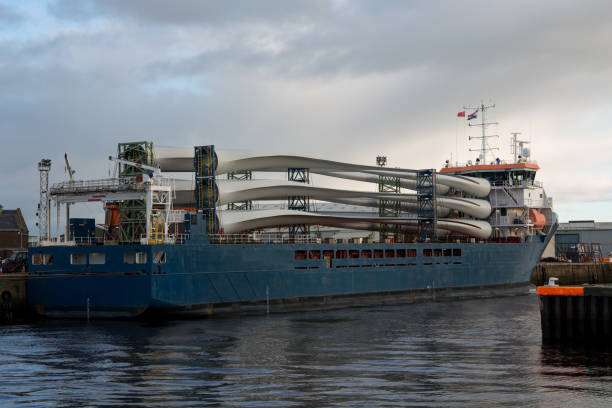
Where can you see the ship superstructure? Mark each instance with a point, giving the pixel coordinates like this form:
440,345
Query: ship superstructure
520,206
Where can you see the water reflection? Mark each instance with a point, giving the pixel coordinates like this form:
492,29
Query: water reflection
470,353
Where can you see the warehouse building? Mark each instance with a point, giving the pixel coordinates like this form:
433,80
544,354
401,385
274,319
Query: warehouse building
573,235
13,232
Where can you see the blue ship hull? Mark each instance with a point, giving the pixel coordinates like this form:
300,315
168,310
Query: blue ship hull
202,278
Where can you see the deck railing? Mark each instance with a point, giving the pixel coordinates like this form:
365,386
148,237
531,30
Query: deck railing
263,239
75,241
106,185
94,186
522,183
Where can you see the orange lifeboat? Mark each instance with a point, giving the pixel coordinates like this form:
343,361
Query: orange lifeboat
537,219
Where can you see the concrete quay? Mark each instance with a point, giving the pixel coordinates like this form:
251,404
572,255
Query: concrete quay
13,297
581,313
572,273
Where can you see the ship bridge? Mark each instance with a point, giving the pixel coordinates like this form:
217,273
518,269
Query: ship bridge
519,203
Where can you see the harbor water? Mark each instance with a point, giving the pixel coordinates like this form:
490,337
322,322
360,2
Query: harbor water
464,353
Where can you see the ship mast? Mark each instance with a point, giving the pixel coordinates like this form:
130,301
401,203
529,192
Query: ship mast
484,147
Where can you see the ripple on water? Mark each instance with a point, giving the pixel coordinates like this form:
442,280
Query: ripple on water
469,353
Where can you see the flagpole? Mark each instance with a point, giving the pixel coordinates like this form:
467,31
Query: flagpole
459,115
456,143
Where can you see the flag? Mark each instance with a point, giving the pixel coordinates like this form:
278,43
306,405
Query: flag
473,115
461,114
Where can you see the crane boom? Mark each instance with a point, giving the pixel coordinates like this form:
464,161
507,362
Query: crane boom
68,167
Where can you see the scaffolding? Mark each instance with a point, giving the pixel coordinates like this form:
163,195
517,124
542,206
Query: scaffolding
388,207
44,206
204,162
157,193
427,205
132,213
240,175
579,252
298,203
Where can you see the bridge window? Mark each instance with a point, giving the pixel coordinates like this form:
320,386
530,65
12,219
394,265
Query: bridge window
341,254
437,252
411,253
328,254
141,257
128,258
457,252
354,253
427,252
378,253
37,259
159,257
300,255
366,253
448,252
401,253
97,258
78,259
389,253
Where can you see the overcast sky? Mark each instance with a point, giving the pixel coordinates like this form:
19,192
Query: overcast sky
346,80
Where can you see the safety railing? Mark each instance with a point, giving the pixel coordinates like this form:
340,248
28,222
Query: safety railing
472,164
263,239
94,186
180,238
523,183
106,185
74,241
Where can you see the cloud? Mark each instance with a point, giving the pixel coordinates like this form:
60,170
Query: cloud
347,80
195,12
9,16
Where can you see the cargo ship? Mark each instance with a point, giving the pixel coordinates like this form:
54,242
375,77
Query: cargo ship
201,247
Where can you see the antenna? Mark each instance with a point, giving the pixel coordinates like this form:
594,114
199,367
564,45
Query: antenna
517,147
484,146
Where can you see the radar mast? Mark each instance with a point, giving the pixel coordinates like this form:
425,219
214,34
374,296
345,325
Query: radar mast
484,146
